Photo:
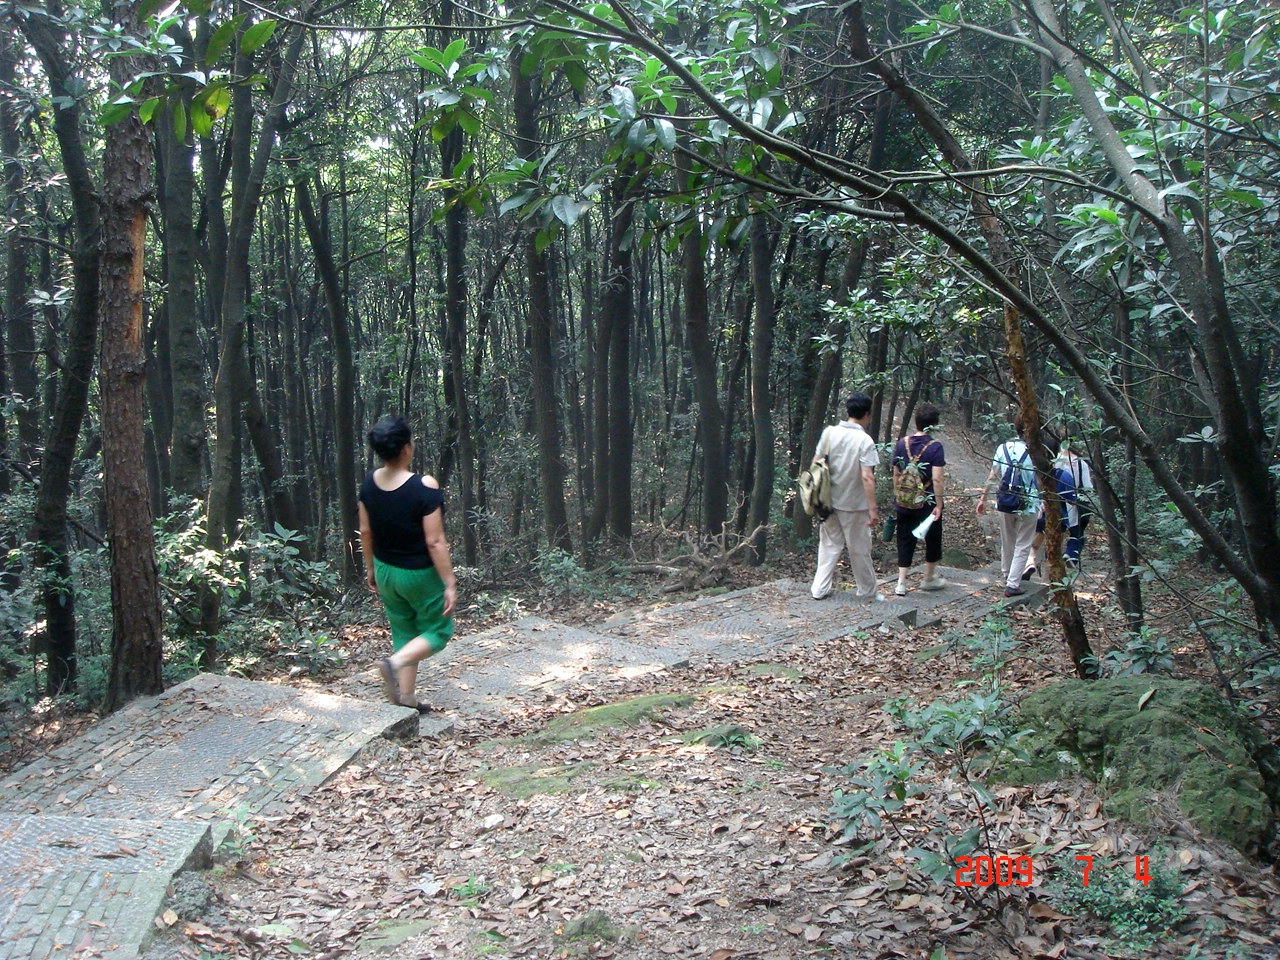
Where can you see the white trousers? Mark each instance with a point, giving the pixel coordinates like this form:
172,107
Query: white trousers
845,530
1017,531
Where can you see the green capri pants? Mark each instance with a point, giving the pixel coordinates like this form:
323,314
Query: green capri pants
414,600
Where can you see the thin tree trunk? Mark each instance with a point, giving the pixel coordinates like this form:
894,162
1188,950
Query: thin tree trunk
189,435
546,404
617,310
711,426
248,173
761,389
49,530
344,374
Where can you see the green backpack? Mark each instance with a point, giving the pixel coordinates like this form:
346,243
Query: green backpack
815,490
908,485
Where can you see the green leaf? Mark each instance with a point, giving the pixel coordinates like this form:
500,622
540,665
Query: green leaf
257,35
179,120
221,39
426,63
624,101
217,101
453,51
516,201
565,209
666,133
148,109
464,164
469,122
113,113
201,119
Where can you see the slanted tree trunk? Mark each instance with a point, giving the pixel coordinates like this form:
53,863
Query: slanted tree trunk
136,619
1068,609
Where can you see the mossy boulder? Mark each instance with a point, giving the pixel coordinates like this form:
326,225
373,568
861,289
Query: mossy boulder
1144,739
583,724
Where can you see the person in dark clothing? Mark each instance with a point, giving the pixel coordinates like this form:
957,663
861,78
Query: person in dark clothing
922,453
406,558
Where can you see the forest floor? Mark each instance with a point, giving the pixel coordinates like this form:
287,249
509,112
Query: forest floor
637,842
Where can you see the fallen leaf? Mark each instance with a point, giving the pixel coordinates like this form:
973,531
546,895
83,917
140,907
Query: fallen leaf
1042,911
1142,700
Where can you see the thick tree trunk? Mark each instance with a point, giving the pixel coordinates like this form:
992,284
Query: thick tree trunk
136,619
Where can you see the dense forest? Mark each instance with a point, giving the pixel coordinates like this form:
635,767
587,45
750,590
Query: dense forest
619,262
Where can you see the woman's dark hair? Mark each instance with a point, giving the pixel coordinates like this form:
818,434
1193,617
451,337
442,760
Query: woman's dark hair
857,406
926,416
388,437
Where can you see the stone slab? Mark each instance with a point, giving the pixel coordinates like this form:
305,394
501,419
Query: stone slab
88,884
479,674
756,622
94,831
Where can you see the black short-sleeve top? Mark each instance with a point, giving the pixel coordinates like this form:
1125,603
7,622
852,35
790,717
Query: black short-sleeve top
395,517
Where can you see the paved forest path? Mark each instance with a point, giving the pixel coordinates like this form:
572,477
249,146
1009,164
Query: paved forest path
92,834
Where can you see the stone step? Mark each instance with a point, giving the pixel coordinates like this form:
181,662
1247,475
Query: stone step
94,831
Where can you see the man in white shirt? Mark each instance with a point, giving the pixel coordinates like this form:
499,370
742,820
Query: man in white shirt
852,458
1017,521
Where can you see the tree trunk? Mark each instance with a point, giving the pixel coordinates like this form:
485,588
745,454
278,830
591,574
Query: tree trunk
546,404
49,529
455,327
761,390
189,435
702,361
1064,597
617,309
317,227
20,332
248,173
136,620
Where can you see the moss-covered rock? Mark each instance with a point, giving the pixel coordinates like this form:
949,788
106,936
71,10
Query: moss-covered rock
1144,739
582,724
522,782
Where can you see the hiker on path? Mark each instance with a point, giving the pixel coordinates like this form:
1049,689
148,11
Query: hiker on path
1078,512
852,458
406,558
924,456
1018,501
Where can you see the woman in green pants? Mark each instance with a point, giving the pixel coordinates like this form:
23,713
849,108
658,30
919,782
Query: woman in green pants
406,558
